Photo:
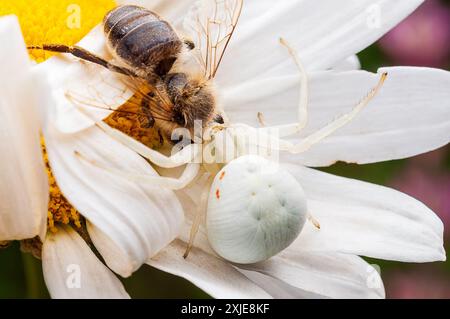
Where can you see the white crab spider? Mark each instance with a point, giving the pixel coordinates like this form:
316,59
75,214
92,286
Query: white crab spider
255,210
260,208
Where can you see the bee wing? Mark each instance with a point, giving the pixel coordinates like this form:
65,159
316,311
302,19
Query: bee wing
100,93
107,92
211,24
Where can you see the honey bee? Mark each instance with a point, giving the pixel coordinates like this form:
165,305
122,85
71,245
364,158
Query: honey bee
149,52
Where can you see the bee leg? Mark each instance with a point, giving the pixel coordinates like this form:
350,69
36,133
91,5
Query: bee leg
161,137
84,55
189,44
148,121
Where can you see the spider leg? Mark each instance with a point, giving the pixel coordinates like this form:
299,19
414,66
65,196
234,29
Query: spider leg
313,221
302,110
324,132
199,216
272,133
302,115
187,155
266,137
188,175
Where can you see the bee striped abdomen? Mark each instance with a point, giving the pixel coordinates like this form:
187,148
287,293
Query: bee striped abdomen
141,39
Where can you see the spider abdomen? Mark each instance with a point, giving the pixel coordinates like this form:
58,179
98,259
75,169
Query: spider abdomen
255,210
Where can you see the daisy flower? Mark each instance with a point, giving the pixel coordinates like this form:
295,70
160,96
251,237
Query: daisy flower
133,213
130,221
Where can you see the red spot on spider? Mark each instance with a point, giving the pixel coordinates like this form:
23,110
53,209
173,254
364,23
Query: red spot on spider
222,175
217,193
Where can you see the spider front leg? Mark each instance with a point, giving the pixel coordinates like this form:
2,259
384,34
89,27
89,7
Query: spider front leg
188,175
146,120
188,154
324,132
302,115
302,109
273,132
199,215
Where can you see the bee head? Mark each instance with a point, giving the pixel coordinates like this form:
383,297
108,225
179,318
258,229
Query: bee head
193,100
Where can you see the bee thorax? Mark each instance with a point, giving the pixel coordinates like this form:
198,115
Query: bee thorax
193,101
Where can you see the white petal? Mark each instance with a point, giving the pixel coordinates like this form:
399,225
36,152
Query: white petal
278,288
326,274
349,64
366,219
24,185
411,114
189,200
213,275
71,270
126,219
302,274
77,84
170,10
324,33
292,274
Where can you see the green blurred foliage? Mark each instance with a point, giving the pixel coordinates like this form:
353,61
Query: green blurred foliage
149,282
20,275
12,274
372,58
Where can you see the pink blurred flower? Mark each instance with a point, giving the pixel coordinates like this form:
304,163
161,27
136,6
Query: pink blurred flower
425,179
427,283
423,39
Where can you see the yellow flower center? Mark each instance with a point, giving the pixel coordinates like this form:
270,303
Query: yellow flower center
65,22
55,21
130,120
59,209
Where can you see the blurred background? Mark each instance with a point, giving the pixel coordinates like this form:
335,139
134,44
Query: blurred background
421,40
